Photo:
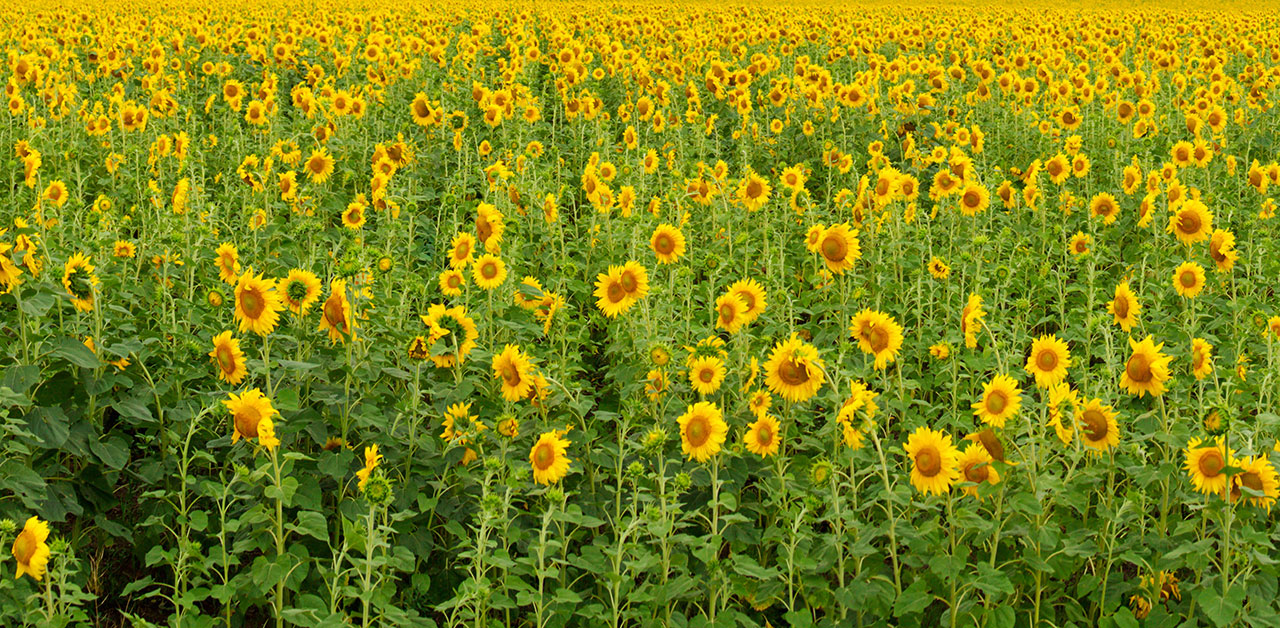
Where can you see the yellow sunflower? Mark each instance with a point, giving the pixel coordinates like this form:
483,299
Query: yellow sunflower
731,313
489,227
335,314
813,237
939,269
753,295
371,461
1147,369
839,247
251,414
452,282
299,289
1188,279
489,272
1191,222
668,243
79,280
971,320
319,165
1222,249
31,550
229,358
460,340
762,436
1257,474
1206,463
228,263
974,199
1201,358
794,370
1049,360
702,431
977,466
878,335
1079,244
634,280
258,303
1125,307
515,370
753,192
548,458
706,374
611,297
934,461
1104,206
1001,400
1098,427
462,250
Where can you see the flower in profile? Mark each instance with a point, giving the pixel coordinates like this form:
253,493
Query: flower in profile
371,461
878,335
31,550
79,280
335,314
1147,369
228,261
1257,474
251,414
971,320
1125,307
515,370
229,358
549,458
976,467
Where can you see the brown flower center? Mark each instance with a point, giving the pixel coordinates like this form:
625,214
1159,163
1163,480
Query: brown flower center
793,373
928,462
544,455
247,419
1211,463
252,303
335,313
1047,360
1095,425
615,293
975,473
1189,222
698,431
1139,368
664,244
226,361
1187,278
834,248
997,402
1121,306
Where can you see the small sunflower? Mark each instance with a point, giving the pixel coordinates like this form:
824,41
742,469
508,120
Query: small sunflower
1205,465
335,314
971,320
706,374
229,358
548,458
794,370
31,549
489,272
251,414
611,297
79,280
668,243
1079,244
1201,358
371,461
702,431
1257,474
839,247
299,290
515,370
452,281
731,313
228,263
977,466
1125,307
258,303
762,436
1222,249
1001,400
1147,369
319,165
753,295
878,335
939,269
1191,222
934,461
1098,428
1049,360
461,250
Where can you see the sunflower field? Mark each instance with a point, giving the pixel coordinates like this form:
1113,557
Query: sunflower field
639,313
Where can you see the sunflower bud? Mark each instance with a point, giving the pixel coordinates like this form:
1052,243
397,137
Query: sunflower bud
683,481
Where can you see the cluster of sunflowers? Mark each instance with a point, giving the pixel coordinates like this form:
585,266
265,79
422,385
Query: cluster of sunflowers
367,315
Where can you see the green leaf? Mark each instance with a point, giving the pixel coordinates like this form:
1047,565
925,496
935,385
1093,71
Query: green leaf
1221,610
992,580
913,599
313,524
75,352
134,409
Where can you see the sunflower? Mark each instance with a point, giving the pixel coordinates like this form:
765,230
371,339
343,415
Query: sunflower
229,358
1147,369
977,466
452,282
1125,307
354,216
1097,424
839,247
611,297
939,269
759,402
634,280
813,237
753,192
971,320
462,250
762,436
548,459
655,384
1191,222
753,295
371,461
706,374
934,461
30,549
974,199
251,414
668,243
258,303
9,273
489,227
1257,474
228,263
489,272
515,370
1079,244
319,165
1104,206
794,370
1205,464
1001,399
877,335
79,280
299,290
336,312
1222,249
1201,358
1049,360
56,193
731,313
1188,279
702,431
124,249
461,337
